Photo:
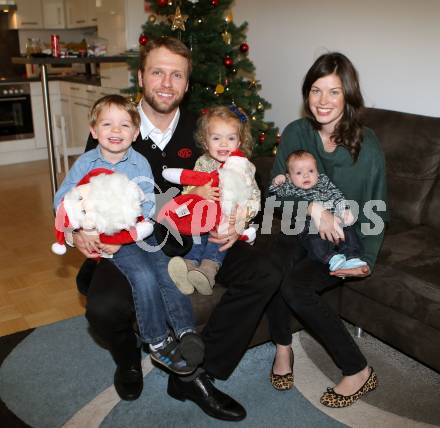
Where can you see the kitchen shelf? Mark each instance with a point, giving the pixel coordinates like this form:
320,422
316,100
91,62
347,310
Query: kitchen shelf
68,60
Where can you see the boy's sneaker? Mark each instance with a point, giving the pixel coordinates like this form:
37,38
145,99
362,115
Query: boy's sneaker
353,263
169,356
336,262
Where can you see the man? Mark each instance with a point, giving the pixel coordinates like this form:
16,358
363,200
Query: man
166,141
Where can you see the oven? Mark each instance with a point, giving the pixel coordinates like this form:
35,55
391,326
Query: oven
15,112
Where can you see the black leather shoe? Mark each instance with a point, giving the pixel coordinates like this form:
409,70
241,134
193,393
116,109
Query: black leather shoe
129,383
211,400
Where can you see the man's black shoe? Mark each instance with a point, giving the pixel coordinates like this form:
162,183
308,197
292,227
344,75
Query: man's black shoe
129,382
211,400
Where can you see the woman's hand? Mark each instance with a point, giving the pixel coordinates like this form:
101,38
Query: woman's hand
359,272
328,225
207,191
87,243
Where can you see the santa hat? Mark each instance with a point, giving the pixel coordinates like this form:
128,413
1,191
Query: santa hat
129,214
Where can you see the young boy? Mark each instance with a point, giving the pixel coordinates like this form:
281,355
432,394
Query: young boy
114,122
304,183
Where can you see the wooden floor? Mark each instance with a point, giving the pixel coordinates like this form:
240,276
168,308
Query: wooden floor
36,286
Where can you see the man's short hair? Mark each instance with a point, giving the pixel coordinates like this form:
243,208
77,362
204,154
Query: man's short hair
172,44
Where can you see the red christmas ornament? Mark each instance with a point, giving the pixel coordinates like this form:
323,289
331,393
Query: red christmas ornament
143,39
244,47
214,3
228,61
204,110
162,3
262,138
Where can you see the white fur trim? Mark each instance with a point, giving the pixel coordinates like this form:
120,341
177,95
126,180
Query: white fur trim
59,249
250,234
143,230
172,175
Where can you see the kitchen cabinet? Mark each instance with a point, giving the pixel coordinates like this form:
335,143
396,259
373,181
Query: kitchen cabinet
120,23
53,14
81,13
29,14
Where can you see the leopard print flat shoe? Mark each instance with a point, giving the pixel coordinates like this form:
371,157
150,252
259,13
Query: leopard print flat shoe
335,400
282,382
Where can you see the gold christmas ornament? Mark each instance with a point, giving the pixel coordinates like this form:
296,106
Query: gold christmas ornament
178,20
252,84
229,17
219,89
274,150
227,37
260,106
152,18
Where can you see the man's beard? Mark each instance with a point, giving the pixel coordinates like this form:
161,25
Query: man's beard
161,108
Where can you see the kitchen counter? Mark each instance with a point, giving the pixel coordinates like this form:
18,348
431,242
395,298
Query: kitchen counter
43,62
93,80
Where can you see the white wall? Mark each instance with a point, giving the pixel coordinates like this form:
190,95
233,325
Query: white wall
394,44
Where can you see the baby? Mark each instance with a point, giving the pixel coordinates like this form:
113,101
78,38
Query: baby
303,182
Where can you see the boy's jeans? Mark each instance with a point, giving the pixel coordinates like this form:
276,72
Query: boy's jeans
158,302
205,250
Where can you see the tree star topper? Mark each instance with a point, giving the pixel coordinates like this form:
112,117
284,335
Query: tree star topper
178,20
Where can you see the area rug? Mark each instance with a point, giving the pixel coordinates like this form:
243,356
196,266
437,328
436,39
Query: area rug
56,376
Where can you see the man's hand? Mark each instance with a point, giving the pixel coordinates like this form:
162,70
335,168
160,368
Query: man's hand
110,248
87,244
359,272
328,225
207,191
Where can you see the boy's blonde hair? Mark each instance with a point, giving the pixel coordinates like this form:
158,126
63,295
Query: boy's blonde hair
118,101
230,113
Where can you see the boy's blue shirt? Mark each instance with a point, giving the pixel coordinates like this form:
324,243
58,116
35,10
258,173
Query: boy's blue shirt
133,165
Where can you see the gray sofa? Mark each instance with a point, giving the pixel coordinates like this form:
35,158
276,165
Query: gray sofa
400,302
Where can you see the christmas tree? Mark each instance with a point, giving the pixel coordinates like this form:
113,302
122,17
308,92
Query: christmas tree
222,72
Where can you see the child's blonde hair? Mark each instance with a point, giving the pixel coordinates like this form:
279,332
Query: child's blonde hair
118,101
230,113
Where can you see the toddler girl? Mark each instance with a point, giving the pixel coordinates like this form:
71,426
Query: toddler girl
220,131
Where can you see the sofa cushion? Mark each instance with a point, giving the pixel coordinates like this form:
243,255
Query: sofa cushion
412,150
406,276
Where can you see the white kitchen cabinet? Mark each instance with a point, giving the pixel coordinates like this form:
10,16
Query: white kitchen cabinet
53,14
81,13
92,18
82,97
29,14
38,110
120,23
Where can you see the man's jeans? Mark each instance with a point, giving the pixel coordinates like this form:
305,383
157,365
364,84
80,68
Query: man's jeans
205,250
158,303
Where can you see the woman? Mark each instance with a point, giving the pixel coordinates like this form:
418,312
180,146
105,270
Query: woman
351,156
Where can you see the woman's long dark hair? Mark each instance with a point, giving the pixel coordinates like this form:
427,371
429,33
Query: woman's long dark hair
348,131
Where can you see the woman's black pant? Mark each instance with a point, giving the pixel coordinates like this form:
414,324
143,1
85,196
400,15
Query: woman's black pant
251,281
301,292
